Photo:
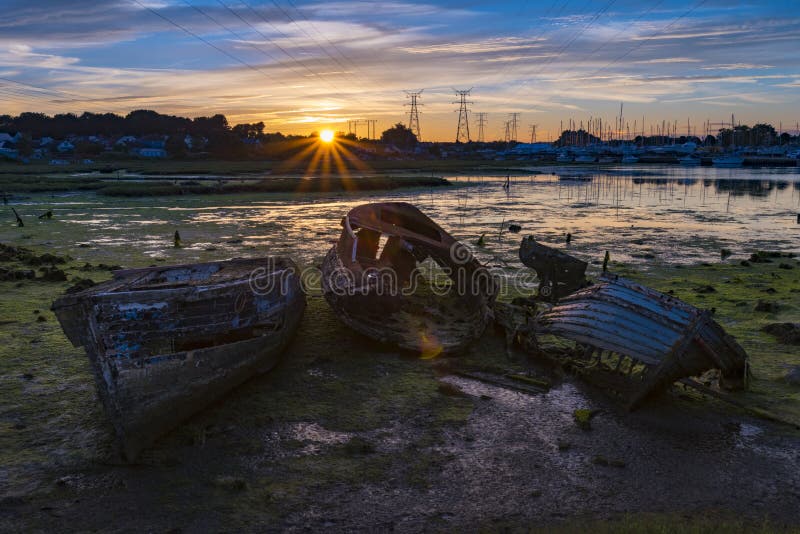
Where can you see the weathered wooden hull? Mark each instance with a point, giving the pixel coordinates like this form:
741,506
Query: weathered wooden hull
379,293
670,337
166,342
421,322
559,274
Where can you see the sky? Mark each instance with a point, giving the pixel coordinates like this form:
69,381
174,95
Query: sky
300,65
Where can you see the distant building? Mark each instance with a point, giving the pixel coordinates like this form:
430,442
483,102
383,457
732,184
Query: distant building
65,146
532,148
8,149
152,153
126,140
5,137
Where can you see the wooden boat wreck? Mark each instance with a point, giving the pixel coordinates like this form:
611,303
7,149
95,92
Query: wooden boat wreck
637,340
559,274
375,281
165,342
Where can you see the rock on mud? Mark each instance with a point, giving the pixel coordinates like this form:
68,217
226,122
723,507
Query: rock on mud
765,306
793,376
787,333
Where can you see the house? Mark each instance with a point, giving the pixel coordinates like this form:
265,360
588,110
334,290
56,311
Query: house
45,141
8,149
5,137
126,140
152,153
65,146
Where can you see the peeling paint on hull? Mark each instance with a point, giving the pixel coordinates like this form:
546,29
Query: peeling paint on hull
165,342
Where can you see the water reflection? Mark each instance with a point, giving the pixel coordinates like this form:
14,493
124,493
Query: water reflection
639,215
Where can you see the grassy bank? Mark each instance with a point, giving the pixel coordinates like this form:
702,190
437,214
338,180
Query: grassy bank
343,419
223,168
733,291
12,185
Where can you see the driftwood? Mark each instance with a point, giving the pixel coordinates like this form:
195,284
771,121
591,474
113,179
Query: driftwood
164,342
373,281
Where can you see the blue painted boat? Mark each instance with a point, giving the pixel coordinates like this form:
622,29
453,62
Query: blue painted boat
668,337
164,342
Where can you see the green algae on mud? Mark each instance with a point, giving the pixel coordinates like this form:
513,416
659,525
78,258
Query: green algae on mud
338,414
732,291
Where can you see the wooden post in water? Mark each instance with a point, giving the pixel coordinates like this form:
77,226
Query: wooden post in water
19,219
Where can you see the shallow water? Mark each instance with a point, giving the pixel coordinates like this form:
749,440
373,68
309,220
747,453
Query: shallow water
638,214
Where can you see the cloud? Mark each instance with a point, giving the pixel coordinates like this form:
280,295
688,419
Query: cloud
335,61
669,60
738,66
500,44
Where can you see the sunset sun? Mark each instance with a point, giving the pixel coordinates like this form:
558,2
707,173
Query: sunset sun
326,135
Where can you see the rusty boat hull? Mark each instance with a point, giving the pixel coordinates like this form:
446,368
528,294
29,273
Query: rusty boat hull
373,279
165,342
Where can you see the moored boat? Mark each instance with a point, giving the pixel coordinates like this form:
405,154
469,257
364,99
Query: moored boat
689,161
164,342
379,282
730,161
585,158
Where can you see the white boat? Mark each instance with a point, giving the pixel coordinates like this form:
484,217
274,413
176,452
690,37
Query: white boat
689,161
564,157
607,159
729,161
585,158
630,158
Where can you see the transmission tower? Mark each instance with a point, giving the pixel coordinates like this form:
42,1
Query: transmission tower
513,130
413,114
371,123
507,135
462,133
481,127
533,133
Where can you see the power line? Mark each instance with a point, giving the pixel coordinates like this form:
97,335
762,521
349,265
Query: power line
278,46
332,44
652,36
200,38
535,39
257,48
566,45
288,16
40,88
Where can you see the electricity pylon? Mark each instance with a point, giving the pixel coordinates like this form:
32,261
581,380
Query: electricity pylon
533,133
462,132
513,128
481,127
413,114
